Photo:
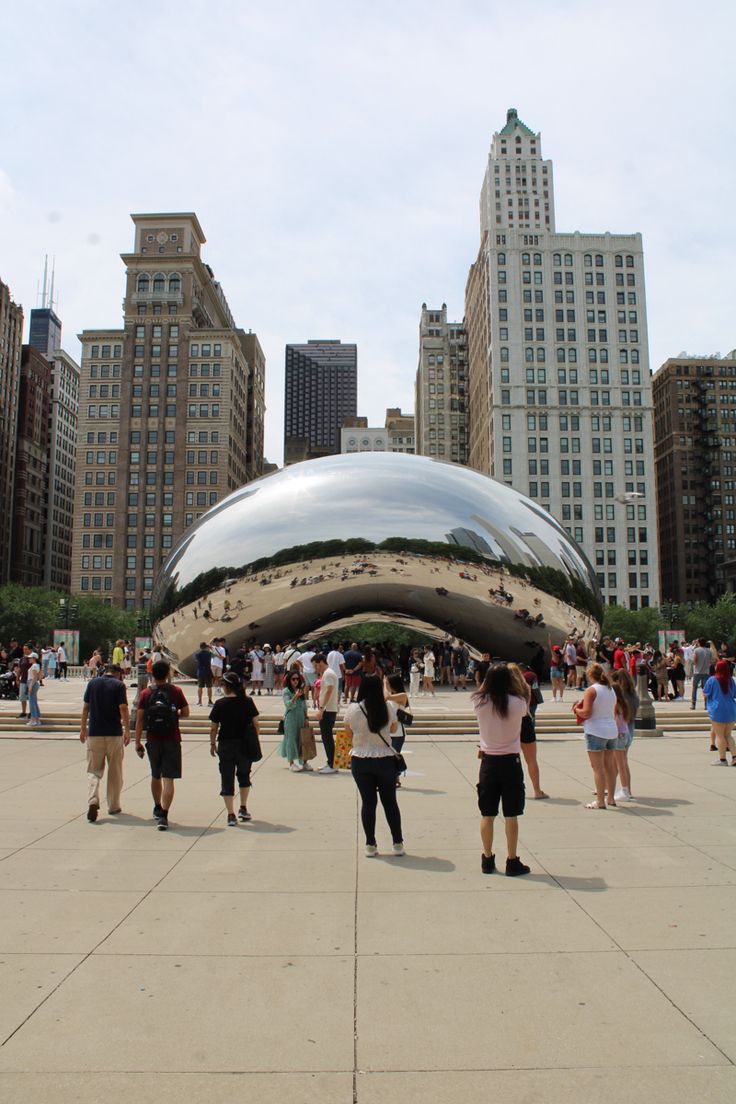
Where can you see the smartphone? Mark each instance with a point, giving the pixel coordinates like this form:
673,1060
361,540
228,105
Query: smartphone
140,751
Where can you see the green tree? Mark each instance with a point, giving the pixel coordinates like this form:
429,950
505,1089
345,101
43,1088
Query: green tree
633,625
716,622
32,613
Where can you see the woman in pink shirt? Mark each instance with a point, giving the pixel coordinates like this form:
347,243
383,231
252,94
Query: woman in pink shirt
500,711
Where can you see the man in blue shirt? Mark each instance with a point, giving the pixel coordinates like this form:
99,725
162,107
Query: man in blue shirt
204,672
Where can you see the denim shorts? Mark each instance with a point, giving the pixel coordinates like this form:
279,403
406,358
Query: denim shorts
598,743
23,691
555,672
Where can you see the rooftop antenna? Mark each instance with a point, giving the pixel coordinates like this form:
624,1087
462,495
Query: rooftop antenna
45,279
51,292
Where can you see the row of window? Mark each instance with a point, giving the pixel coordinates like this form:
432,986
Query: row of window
106,352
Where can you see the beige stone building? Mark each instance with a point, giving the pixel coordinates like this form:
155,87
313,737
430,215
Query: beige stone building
396,435
441,389
170,414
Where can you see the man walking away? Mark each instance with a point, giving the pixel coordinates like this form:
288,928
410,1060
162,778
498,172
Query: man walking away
159,710
702,660
105,730
329,696
61,663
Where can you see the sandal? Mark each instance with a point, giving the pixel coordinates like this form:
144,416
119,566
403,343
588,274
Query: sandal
594,805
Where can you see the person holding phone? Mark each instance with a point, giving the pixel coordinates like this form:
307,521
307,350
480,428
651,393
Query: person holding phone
295,716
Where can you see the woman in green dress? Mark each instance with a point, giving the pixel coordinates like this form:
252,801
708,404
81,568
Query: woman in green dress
295,716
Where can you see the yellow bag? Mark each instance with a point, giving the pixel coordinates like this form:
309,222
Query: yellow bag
343,747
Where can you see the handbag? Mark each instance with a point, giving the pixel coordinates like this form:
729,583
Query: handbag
280,728
307,745
343,747
404,718
537,695
399,760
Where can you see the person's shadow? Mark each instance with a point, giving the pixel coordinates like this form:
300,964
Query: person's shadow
419,862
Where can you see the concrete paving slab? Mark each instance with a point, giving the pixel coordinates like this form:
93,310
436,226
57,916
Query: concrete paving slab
716,1085
428,924
16,833
249,924
26,980
665,917
80,870
175,1088
68,925
268,872
634,866
227,1014
440,871
701,983
551,1011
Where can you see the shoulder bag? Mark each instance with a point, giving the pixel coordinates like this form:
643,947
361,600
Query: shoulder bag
399,760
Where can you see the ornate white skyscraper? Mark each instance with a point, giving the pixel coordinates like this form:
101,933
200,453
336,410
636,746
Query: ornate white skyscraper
560,387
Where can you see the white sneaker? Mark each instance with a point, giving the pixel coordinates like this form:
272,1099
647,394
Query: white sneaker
370,850
296,767
622,795
327,769
307,766
398,849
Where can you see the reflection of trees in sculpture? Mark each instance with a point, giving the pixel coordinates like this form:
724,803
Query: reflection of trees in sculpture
551,580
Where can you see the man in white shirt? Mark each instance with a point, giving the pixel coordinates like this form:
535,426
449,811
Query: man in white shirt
336,663
61,663
310,675
328,702
687,655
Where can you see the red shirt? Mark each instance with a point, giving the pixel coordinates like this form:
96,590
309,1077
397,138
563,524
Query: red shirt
619,660
177,699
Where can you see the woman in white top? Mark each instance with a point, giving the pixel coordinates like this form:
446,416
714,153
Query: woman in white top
428,677
597,712
371,721
415,673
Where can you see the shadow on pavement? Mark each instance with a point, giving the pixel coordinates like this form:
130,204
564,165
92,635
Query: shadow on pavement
419,862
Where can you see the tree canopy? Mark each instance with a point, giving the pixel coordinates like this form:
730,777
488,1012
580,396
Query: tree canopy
32,613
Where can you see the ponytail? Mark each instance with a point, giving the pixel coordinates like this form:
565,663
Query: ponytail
596,672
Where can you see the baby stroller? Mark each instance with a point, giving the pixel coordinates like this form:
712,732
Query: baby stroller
8,686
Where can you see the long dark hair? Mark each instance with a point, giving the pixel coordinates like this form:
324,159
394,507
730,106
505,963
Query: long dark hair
496,688
370,695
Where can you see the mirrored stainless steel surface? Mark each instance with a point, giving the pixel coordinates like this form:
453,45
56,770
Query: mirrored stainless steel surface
375,536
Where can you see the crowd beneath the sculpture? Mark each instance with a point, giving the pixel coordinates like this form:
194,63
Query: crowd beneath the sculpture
371,689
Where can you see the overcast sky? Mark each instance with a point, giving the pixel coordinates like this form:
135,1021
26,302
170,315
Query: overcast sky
334,153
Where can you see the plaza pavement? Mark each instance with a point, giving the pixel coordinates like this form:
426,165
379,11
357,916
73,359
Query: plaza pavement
274,962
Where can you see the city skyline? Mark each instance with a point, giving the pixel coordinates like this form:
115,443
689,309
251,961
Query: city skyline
308,242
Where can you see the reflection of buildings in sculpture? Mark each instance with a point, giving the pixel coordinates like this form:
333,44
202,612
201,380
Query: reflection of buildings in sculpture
468,538
509,549
541,554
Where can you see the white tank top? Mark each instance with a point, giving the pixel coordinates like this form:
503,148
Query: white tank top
602,722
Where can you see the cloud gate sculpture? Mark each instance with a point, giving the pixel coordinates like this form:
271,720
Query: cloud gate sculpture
406,539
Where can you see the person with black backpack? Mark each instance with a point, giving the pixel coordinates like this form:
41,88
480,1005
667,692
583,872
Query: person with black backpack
159,710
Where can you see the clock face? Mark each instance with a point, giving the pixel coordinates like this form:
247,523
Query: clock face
161,237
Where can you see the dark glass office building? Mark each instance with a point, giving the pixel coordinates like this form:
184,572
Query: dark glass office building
45,334
321,388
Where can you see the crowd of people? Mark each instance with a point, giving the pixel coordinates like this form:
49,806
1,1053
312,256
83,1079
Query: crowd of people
369,685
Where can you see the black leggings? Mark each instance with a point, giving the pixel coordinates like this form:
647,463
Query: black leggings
377,778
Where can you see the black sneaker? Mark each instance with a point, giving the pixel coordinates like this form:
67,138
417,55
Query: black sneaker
515,867
243,814
713,747
157,812
163,822
92,811
488,864
232,820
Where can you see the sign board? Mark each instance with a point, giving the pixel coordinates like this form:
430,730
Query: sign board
670,636
70,639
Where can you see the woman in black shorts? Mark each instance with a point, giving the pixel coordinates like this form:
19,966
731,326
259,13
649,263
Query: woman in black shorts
234,739
524,683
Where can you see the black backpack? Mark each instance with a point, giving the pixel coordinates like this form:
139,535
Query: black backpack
160,713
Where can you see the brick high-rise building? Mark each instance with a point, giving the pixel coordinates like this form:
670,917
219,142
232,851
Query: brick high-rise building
321,388
170,414
11,340
62,455
441,388
695,454
559,368
28,550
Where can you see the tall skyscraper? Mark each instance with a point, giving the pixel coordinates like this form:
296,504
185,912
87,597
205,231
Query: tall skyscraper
441,388
171,413
11,339
321,388
62,466
28,549
559,368
695,453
